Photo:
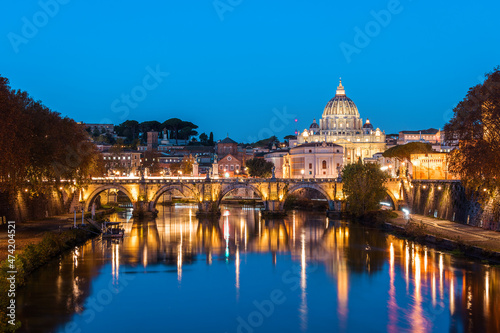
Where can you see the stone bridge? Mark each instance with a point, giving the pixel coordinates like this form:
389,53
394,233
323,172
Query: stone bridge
145,193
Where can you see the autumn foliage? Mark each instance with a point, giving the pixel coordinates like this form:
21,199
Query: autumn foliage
475,126
37,145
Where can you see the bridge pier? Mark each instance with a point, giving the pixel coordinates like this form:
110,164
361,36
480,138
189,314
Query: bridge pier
273,208
143,209
208,209
334,208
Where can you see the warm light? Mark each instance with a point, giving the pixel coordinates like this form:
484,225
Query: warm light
425,187
226,175
25,190
60,188
439,187
384,168
484,189
302,171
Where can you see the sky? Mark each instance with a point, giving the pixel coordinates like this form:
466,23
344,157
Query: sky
249,69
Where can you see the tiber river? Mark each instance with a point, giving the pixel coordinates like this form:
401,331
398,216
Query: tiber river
305,273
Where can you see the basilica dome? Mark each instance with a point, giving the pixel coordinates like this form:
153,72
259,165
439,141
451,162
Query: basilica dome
341,105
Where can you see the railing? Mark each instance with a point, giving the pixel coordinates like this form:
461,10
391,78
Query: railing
127,180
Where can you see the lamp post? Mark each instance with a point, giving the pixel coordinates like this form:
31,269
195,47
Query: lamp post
302,172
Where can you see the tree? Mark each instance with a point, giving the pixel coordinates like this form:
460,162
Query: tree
203,138
475,125
179,129
129,129
187,165
38,145
211,141
150,126
259,167
403,152
288,138
363,185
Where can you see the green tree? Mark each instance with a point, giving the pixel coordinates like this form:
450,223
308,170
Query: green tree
363,185
259,167
475,126
403,152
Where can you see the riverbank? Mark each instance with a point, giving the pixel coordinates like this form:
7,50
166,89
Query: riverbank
32,232
459,238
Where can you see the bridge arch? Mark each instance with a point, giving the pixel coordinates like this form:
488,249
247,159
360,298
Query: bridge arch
299,186
182,188
316,187
93,195
228,189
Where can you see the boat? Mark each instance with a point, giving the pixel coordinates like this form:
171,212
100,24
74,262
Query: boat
113,230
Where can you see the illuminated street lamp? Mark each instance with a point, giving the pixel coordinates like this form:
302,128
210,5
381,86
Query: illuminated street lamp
302,172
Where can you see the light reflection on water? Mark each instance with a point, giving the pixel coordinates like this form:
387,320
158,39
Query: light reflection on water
177,273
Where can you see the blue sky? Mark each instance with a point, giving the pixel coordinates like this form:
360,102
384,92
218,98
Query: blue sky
249,68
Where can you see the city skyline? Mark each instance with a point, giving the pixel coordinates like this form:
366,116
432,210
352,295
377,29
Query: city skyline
232,68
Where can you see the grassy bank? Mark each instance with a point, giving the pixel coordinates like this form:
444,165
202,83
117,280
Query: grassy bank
32,257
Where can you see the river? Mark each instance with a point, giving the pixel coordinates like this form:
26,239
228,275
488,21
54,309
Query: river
304,273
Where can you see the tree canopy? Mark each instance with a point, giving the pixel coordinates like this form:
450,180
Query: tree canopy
363,184
39,145
404,151
259,167
475,125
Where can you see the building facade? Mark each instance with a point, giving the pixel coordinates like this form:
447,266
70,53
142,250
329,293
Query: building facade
314,160
124,163
431,166
431,135
342,125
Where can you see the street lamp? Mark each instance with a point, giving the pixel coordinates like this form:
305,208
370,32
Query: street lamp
302,172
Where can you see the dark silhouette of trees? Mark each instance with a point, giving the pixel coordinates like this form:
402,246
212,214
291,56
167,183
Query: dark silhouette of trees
403,152
476,127
203,138
179,130
259,167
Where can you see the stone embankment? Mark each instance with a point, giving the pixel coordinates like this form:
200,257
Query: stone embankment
469,240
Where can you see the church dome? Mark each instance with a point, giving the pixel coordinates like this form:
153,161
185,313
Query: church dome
341,105
368,124
314,125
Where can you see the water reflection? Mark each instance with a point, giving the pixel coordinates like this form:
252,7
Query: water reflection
365,278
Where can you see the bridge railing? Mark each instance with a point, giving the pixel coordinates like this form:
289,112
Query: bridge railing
126,180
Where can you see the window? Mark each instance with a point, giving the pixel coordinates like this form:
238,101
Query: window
232,167
310,151
310,172
324,165
220,166
310,166
237,167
